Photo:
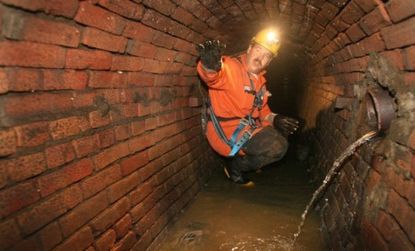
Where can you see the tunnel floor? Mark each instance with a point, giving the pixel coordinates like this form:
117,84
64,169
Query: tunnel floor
225,216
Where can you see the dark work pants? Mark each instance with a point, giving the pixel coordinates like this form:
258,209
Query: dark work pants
265,147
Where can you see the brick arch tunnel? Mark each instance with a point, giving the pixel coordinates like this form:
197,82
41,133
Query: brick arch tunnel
101,143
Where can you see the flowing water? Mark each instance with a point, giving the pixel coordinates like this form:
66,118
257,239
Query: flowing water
335,169
225,216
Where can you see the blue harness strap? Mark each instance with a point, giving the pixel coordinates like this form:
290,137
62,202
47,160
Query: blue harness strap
244,122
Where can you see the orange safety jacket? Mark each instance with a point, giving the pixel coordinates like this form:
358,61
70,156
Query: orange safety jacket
231,97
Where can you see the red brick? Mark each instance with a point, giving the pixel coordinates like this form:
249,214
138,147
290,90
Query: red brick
110,155
409,58
126,243
355,33
59,155
61,80
374,21
197,9
40,104
155,66
122,132
79,241
30,243
183,16
106,138
150,123
140,79
185,58
20,79
124,8
71,196
399,35
102,79
50,236
17,197
64,177
184,46
137,127
156,20
123,226
4,81
30,28
162,39
8,142
97,120
122,187
110,215
163,6
165,55
33,134
129,110
140,193
88,59
399,241
134,162
31,54
399,10
395,57
25,167
402,212
409,78
83,214
143,242
9,233
101,180
138,31
67,127
147,220
41,214
351,13
85,146
143,207
127,63
367,5
106,241
142,49
91,15
3,175
65,8
84,99
386,225
139,143
103,40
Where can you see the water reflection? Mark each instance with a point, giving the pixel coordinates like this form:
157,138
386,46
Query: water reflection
226,217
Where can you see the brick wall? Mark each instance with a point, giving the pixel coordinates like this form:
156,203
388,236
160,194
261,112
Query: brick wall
365,43
99,147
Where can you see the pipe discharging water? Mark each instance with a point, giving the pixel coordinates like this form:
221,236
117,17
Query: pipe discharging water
337,166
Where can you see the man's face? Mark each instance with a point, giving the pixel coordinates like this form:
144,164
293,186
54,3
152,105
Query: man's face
258,58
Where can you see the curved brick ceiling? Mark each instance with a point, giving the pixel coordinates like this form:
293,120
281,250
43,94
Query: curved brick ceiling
302,21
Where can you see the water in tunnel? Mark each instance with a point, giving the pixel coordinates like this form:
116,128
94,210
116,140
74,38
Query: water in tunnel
102,143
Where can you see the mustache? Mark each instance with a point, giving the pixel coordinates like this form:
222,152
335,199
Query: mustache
257,61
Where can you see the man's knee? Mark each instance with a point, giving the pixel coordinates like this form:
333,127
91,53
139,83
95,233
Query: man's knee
278,148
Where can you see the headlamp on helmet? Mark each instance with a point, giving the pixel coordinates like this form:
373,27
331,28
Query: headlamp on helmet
269,39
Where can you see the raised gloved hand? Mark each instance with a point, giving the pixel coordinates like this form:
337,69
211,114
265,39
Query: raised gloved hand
210,54
285,125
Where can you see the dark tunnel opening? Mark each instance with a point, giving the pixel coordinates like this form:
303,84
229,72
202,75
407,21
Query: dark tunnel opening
286,80
102,141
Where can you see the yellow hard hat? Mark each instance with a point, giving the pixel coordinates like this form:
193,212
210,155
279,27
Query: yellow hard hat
269,39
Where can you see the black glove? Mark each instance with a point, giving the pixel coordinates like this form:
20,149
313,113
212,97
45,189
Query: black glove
210,54
285,125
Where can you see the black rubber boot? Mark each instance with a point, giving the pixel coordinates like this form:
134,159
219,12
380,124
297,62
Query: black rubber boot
235,175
